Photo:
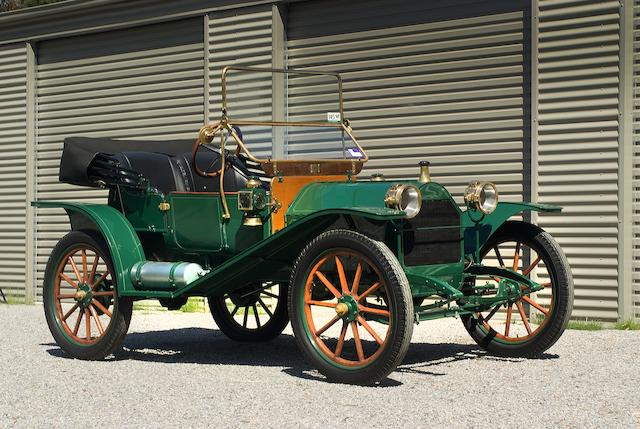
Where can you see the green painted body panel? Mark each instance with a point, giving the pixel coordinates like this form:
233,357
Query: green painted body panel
122,239
365,196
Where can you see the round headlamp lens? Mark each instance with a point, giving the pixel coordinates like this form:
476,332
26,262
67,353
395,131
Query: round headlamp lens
405,198
482,196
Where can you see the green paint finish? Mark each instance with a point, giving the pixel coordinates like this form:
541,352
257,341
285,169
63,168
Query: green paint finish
197,225
141,209
362,196
122,239
477,228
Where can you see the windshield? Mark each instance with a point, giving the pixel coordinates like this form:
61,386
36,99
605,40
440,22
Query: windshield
307,122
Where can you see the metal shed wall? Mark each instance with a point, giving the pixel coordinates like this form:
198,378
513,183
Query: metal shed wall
443,81
578,55
243,38
143,83
636,159
13,112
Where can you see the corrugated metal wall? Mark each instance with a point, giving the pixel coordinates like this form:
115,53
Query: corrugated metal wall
143,83
13,111
243,38
443,81
636,159
578,143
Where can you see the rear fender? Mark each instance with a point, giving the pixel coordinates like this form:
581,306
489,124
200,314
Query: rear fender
478,228
123,242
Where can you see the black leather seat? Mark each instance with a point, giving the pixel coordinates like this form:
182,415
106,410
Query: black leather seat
162,171
175,173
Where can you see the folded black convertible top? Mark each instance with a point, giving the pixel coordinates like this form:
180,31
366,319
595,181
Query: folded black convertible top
79,152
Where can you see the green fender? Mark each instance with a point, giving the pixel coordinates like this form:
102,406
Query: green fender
478,228
120,236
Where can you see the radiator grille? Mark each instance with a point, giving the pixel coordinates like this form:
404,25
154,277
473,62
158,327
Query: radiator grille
433,237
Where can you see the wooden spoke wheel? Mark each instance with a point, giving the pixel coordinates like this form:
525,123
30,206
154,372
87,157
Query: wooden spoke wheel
351,307
533,323
257,312
84,313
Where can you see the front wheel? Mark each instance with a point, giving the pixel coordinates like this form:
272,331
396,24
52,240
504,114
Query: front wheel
351,308
85,315
530,325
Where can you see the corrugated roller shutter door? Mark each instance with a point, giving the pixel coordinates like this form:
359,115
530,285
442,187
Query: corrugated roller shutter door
636,159
243,38
13,99
578,143
143,83
441,81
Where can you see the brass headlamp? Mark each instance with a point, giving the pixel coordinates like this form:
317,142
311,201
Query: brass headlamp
481,196
403,197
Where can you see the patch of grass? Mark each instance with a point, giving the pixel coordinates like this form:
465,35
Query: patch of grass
194,305
585,325
628,325
147,306
12,299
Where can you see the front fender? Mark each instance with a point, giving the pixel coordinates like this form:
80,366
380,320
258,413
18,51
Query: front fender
478,228
123,242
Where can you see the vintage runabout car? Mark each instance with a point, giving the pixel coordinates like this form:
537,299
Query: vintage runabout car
354,263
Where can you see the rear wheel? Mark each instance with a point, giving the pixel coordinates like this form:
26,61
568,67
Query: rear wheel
351,307
257,312
529,325
85,315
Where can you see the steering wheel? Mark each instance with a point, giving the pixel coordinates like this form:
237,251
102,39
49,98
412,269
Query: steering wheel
208,134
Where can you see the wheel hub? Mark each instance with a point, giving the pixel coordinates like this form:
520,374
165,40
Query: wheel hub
347,308
83,295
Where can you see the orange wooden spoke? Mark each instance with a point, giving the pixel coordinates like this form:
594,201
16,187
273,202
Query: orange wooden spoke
546,284
507,324
329,324
535,304
369,329
94,267
500,261
87,318
103,293
490,315
84,265
68,280
321,303
66,296
532,266
377,311
100,280
342,276
372,289
94,313
356,338
77,327
516,257
66,316
101,307
356,279
523,316
75,268
328,284
340,344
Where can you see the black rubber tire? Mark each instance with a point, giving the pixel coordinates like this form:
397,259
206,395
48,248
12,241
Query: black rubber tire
267,332
112,339
562,281
399,301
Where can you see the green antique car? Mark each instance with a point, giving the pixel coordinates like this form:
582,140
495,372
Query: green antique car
354,263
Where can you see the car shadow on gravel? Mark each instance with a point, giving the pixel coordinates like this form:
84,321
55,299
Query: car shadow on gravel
210,346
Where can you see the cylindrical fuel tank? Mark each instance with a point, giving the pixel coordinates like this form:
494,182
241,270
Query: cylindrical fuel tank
164,275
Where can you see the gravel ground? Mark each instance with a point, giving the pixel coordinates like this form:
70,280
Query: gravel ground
178,370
